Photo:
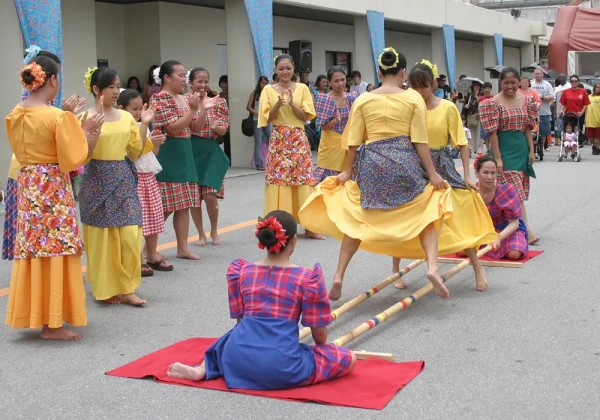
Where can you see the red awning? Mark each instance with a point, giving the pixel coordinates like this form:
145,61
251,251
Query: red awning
576,29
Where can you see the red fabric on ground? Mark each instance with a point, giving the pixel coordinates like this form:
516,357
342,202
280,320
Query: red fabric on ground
372,384
530,254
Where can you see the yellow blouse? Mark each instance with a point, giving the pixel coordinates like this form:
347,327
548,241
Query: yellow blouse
285,116
120,138
13,171
592,113
45,134
378,117
444,123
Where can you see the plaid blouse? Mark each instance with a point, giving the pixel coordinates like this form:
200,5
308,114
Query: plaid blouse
25,95
217,114
326,111
278,292
167,112
496,117
506,204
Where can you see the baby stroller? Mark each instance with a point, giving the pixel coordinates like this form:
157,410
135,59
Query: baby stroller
572,119
538,142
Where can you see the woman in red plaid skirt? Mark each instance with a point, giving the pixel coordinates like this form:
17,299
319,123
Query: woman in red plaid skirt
268,298
503,203
211,161
178,180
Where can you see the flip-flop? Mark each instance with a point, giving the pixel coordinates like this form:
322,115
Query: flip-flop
160,265
147,271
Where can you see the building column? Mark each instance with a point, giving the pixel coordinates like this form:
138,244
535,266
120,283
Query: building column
527,54
489,58
363,51
438,50
241,76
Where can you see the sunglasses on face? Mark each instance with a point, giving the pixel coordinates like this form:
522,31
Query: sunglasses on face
574,81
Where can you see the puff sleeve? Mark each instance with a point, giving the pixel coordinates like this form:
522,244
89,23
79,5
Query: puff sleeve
316,309
264,107
418,123
165,110
325,109
456,129
307,104
355,132
236,304
71,143
489,114
135,147
509,202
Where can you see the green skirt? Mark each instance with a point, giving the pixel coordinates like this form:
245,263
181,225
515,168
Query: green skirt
211,162
515,152
177,160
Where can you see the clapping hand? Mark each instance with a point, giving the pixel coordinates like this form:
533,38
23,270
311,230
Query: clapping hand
157,138
74,104
194,101
148,113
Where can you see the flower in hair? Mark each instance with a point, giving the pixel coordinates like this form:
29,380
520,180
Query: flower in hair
432,66
39,77
272,224
32,52
476,161
393,66
155,75
275,59
87,79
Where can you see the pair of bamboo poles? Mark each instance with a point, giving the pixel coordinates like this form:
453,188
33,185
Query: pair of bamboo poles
394,309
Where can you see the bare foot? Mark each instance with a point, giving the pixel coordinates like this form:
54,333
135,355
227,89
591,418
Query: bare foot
311,235
216,240
187,255
181,371
438,284
335,293
115,300
481,280
201,241
133,300
59,334
399,284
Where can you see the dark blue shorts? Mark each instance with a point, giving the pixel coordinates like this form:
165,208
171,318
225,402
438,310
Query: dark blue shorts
545,125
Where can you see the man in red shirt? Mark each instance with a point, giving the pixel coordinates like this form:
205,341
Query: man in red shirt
575,101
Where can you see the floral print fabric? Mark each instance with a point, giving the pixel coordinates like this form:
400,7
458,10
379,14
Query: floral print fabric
289,160
46,219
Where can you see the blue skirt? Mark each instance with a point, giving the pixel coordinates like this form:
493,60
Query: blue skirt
444,165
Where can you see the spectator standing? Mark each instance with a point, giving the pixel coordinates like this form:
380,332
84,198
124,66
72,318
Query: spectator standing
359,86
546,93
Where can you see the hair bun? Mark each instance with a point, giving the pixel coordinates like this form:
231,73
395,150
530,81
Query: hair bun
27,76
266,236
388,58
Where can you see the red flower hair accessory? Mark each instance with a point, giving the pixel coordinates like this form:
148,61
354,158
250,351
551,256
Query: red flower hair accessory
275,226
476,161
39,77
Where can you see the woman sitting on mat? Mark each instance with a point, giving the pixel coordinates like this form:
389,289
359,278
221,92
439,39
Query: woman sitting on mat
504,205
267,298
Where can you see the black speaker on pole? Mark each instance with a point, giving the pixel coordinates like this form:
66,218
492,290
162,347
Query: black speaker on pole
301,52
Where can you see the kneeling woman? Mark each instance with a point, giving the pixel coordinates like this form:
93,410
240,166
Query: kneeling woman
267,298
504,205
470,225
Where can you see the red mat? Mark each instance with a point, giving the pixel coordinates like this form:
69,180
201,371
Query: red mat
372,384
528,256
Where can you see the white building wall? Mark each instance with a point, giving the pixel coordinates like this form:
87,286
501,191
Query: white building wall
110,37
414,47
512,58
469,58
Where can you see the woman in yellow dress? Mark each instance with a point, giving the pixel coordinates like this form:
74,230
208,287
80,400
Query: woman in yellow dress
471,225
289,172
46,285
399,201
111,212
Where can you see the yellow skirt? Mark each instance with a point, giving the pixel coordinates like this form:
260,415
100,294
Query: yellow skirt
286,198
46,291
113,260
331,155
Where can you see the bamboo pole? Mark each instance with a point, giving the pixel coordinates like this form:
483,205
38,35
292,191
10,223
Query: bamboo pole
304,332
403,304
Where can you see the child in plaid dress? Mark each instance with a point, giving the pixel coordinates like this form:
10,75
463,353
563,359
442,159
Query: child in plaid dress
153,221
503,203
268,298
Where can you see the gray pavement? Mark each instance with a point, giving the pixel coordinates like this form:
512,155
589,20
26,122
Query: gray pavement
528,348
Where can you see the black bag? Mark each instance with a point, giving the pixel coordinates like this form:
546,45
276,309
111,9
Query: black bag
248,123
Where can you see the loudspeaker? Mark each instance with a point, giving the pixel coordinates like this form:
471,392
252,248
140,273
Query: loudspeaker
301,52
515,13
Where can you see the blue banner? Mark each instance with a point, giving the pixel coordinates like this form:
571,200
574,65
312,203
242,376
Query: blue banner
499,49
376,23
41,24
450,53
260,17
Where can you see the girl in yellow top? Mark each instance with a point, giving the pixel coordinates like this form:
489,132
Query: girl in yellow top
288,173
333,110
111,212
46,285
471,224
592,119
399,201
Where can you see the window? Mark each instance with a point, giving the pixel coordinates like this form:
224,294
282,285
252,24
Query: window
339,58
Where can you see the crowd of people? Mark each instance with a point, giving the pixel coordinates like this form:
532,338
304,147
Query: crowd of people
385,182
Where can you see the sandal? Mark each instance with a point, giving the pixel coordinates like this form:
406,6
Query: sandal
160,265
147,271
